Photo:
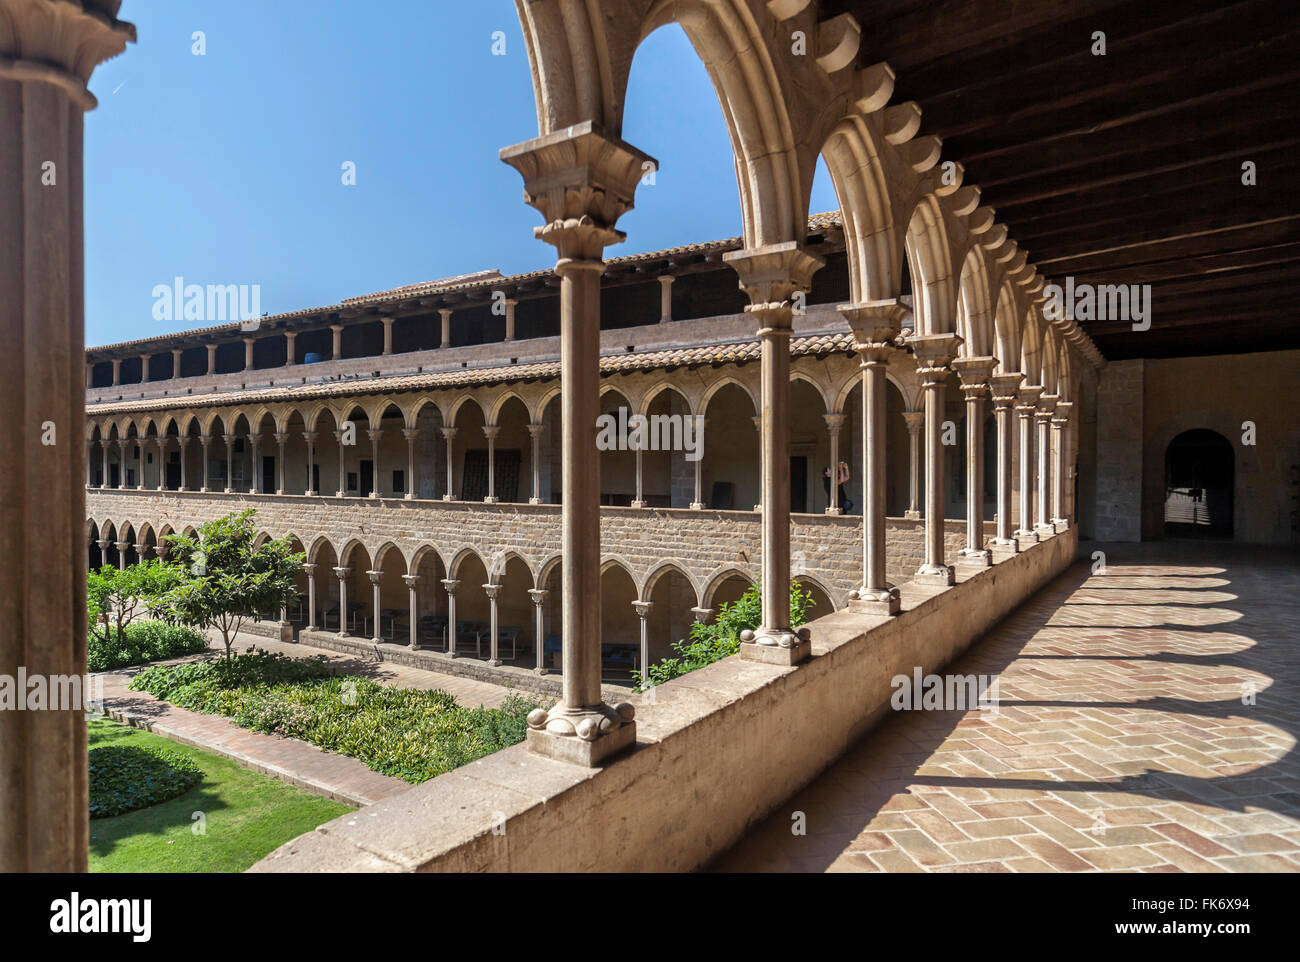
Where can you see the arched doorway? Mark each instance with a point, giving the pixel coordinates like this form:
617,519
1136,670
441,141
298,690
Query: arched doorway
1199,485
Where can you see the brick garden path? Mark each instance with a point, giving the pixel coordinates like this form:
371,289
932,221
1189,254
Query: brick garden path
1121,740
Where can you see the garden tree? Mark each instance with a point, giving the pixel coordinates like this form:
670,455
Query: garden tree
118,594
222,577
713,642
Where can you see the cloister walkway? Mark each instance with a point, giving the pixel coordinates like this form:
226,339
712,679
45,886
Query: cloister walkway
1125,736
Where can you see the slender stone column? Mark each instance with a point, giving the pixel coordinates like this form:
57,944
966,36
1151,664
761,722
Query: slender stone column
539,629
117,371
493,593
445,339
90,462
205,440
757,420
310,569
248,353
642,609
376,582
162,468
376,476
639,500
161,551
1063,466
450,435
1043,421
412,480
490,431
510,319
144,368
535,435
974,373
336,342
342,574
666,297
141,550
290,348
212,358
342,490
280,440
121,465
176,362
103,551
451,584
139,463
581,182
771,276
413,616
388,335
915,420
698,503
255,451
874,325
834,424
1026,404
121,547
1004,388
230,463
702,615
310,438
934,353
183,442
103,450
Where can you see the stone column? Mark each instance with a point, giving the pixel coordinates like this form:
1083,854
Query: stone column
757,420
702,615
1025,406
205,440
103,450
342,574
666,297
834,424
388,335
255,451
974,373
1004,388
121,465
310,569
376,487
176,362
451,584
510,319
639,500
539,629
144,368
450,435
248,353
117,371
212,358
412,479
698,503
490,431
290,348
771,276
90,462
642,609
161,551
915,420
445,340
103,553
139,463
337,342
1043,421
376,582
121,547
342,491
934,353
310,438
493,592
183,442
230,463
162,468
280,440
874,325
412,584
1063,466
581,182
535,435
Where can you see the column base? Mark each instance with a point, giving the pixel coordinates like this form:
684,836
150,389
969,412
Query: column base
1025,537
1002,550
376,641
447,497
491,500
1061,524
911,515
874,601
408,497
941,575
541,671
340,494
1045,530
534,500
638,504
583,736
451,654
776,646
310,628
697,505
834,511
974,558
279,491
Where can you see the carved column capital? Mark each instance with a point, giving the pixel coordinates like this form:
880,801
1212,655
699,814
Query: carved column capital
450,585
642,609
1004,387
538,595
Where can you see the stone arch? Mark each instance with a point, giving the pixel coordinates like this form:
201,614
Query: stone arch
929,260
648,583
717,578
652,393
313,552
1007,330
460,557
974,311
717,385
830,594
382,552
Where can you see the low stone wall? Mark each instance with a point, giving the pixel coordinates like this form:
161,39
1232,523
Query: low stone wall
277,630
717,751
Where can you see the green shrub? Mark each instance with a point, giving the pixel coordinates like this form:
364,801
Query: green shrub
713,642
141,642
125,777
406,733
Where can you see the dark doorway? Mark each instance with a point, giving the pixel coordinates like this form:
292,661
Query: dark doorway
367,478
799,484
174,471
1199,485
268,474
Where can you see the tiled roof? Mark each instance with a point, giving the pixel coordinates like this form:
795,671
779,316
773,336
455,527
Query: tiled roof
734,353
460,283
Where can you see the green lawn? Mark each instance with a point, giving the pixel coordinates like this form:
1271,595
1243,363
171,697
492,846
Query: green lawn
246,815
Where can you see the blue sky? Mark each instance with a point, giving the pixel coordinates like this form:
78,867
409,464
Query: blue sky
226,168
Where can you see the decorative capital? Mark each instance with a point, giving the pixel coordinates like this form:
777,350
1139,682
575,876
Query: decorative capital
491,431
493,591
535,430
62,43
915,420
411,580
449,433
770,276
934,353
581,181
1047,404
642,608
342,573
1061,414
538,595
834,421
875,324
1004,388
374,433
309,569
410,434
281,437
451,584
974,371
375,576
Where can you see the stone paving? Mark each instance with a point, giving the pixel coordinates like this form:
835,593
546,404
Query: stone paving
336,776
1125,737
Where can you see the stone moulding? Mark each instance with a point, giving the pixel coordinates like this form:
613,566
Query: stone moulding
717,751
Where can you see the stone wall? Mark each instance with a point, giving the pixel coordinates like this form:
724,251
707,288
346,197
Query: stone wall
1119,452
